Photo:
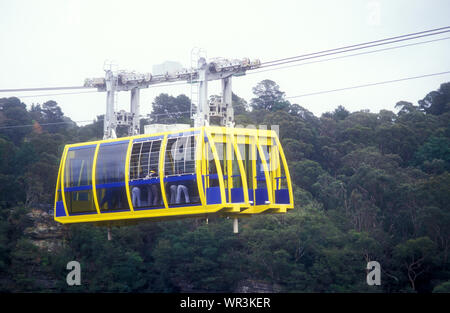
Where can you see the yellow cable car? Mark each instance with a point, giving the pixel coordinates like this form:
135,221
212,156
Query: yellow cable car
195,172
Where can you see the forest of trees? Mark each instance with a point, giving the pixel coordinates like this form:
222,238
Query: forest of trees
368,186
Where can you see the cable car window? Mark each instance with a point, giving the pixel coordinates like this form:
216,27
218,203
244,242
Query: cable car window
78,180
281,190
179,168
232,175
221,152
190,155
235,170
180,156
154,157
247,160
144,165
134,160
144,173
144,159
169,160
110,177
212,176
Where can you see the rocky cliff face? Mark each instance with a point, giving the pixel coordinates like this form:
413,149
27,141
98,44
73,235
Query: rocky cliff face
45,232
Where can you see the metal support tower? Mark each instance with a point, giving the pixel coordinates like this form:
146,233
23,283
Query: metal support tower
202,116
219,68
134,127
227,95
110,122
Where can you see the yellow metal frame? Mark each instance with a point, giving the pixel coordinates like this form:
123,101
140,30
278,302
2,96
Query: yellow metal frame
162,154
232,137
127,175
58,185
94,183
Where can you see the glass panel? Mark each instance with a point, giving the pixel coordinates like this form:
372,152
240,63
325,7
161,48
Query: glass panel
245,149
211,177
278,168
134,161
260,173
278,176
169,160
78,180
229,166
237,179
110,177
180,179
145,158
147,194
154,157
221,149
235,191
179,155
182,191
190,154
145,187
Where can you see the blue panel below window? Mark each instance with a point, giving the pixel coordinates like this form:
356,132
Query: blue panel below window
144,182
179,178
261,196
216,176
213,195
179,205
237,195
110,185
261,178
250,195
78,188
60,209
282,196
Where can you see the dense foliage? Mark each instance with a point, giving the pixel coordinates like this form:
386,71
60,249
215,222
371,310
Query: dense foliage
368,186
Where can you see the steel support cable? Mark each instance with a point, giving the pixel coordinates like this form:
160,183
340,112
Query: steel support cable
279,61
77,93
43,88
367,85
306,57
347,56
446,29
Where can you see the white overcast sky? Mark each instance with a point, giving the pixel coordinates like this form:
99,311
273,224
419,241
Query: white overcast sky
60,43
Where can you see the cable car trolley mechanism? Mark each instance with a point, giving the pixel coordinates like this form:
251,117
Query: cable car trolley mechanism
192,172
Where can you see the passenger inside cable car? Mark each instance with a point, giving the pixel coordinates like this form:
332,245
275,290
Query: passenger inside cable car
151,196
180,171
